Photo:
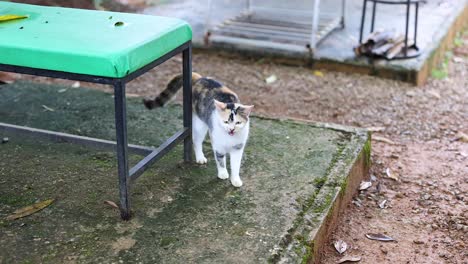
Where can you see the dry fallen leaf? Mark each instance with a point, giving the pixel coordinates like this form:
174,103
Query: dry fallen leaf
28,210
76,85
379,237
340,246
6,77
349,259
365,185
318,73
271,79
390,175
460,136
457,59
111,203
382,204
383,139
132,95
9,17
434,94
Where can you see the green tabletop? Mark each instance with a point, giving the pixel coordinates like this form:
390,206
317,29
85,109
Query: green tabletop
100,43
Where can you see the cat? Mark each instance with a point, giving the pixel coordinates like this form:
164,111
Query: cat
217,110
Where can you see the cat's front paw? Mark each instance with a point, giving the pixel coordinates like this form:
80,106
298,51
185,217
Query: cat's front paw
236,182
201,160
223,174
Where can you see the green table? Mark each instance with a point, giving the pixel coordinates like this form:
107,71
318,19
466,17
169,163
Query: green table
100,47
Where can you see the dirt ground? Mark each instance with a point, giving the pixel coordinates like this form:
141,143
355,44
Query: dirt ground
426,208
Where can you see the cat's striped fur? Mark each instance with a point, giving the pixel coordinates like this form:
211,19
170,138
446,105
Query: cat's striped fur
216,109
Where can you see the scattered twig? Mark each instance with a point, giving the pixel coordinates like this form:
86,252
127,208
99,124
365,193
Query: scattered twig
48,108
383,139
349,259
111,203
379,237
375,129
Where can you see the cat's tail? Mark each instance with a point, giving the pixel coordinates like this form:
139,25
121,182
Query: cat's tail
171,90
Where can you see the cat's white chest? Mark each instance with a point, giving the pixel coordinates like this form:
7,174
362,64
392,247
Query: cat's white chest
226,143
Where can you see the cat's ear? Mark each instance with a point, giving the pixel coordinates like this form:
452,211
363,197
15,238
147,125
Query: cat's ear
219,105
247,109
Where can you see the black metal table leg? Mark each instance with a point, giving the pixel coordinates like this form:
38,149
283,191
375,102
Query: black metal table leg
363,18
373,17
408,3
187,90
122,151
416,24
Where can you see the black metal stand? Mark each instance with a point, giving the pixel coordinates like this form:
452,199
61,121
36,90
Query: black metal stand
126,175
408,52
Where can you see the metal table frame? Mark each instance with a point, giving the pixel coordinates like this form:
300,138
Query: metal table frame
126,174
246,35
408,4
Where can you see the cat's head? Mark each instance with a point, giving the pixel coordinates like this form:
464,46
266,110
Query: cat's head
232,117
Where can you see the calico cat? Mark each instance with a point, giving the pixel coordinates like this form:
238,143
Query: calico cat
217,110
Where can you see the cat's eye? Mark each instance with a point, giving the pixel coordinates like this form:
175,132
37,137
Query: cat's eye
238,123
225,122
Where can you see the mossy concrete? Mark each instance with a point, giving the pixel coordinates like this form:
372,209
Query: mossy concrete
296,176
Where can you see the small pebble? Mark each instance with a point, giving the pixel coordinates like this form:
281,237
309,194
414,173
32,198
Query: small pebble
5,140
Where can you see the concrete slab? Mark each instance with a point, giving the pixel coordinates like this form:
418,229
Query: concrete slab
297,176
438,22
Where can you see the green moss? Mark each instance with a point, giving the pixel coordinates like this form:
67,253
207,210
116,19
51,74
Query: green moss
104,159
5,223
167,241
19,200
238,230
441,71
299,237
343,187
309,253
458,41
325,203
319,182
367,153
336,157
